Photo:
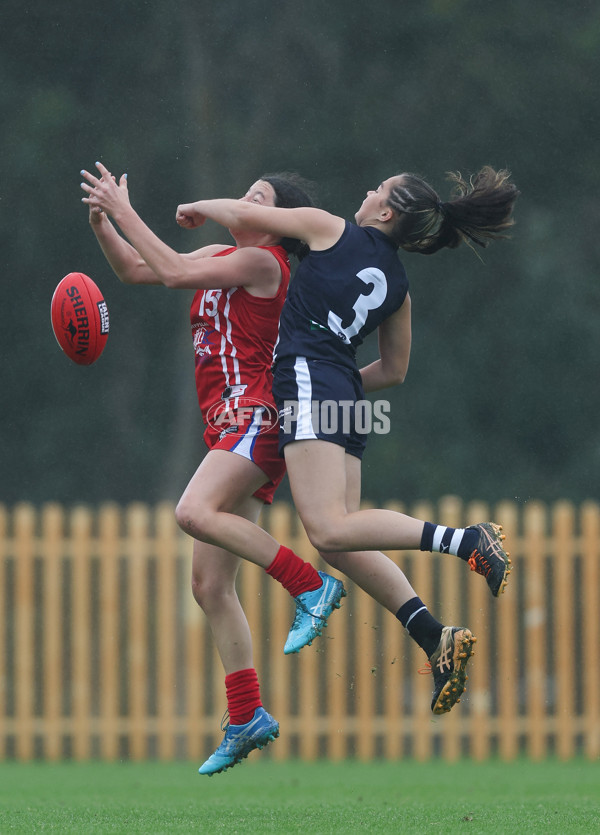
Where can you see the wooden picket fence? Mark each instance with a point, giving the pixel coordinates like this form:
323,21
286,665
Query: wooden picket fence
104,654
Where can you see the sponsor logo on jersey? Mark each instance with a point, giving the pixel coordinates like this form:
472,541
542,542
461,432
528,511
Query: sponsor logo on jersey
316,326
229,431
233,391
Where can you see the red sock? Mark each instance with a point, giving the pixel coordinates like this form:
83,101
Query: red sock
295,575
243,695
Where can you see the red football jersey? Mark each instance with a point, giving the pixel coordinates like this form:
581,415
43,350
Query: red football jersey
234,333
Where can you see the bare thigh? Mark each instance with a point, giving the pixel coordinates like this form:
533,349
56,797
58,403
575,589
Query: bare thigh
207,508
222,482
320,478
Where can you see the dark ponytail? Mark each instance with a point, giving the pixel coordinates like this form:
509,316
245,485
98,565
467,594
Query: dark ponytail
291,191
478,211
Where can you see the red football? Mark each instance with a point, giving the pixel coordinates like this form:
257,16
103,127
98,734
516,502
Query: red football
79,318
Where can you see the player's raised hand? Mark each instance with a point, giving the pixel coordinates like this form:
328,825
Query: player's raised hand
104,194
188,216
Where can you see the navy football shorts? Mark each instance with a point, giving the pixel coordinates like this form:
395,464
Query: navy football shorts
319,400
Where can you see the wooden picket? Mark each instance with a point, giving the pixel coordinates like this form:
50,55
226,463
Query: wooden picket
104,654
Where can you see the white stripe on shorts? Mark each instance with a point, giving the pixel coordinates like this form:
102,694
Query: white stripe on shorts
304,424
246,443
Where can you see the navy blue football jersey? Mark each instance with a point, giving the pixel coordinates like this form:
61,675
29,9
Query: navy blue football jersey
340,295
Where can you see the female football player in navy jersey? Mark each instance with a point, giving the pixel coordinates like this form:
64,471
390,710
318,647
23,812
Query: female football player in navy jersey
350,284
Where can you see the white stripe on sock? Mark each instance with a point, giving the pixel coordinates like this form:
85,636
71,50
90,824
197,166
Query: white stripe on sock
413,614
455,541
438,534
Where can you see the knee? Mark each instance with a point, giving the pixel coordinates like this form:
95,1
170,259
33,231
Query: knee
192,519
201,589
211,591
182,515
325,538
335,559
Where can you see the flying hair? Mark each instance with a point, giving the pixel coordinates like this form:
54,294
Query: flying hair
478,211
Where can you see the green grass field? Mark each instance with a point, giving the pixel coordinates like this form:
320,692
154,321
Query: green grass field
263,796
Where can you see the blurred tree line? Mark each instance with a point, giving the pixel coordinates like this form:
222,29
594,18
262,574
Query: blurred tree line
197,100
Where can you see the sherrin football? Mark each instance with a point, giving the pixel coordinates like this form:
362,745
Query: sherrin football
79,318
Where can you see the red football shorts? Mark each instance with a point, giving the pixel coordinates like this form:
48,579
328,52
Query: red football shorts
254,434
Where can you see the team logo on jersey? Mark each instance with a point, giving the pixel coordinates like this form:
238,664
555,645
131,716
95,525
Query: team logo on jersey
243,414
201,342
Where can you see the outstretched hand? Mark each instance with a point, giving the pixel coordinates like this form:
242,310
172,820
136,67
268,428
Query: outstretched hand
104,194
188,216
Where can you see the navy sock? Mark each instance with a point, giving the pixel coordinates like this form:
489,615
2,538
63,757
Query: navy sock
420,624
461,542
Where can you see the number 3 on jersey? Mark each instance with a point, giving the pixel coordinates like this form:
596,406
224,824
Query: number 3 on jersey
364,303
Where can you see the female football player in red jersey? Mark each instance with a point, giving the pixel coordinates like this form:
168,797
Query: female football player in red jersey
235,311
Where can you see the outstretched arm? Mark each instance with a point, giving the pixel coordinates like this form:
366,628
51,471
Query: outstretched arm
125,261
317,228
145,259
105,194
